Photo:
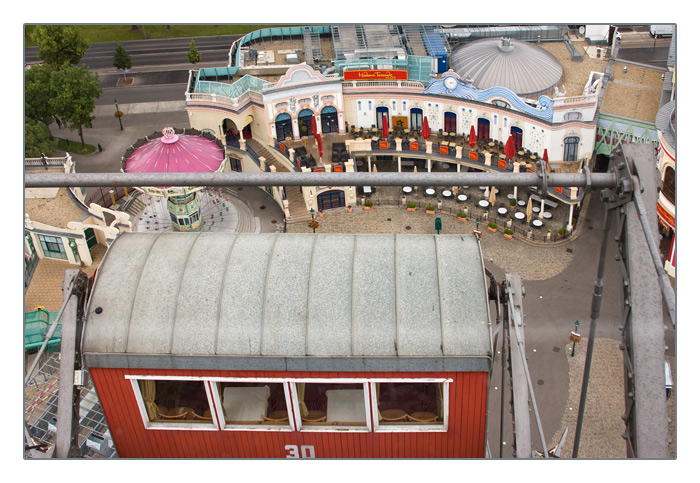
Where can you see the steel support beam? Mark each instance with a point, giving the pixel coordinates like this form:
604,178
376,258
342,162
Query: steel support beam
585,180
643,333
68,405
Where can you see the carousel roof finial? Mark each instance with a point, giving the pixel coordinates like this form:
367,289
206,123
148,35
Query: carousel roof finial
169,135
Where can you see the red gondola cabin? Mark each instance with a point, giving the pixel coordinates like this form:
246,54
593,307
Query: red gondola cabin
208,345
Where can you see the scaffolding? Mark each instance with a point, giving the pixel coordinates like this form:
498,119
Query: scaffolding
41,406
352,42
312,45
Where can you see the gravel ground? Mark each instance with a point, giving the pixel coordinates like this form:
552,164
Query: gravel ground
58,211
605,403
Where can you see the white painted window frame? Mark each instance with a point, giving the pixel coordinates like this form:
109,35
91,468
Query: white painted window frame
291,398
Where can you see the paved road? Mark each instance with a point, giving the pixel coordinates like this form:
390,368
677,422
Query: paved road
153,53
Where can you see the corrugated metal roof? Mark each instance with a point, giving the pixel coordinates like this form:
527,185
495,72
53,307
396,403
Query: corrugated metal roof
522,67
280,296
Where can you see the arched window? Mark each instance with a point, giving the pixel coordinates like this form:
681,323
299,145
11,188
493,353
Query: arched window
668,188
573,116
517,134
416,119
305,120
381,111
450,122
571,148
329,119
283,126
483,129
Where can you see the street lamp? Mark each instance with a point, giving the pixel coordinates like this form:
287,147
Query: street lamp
118,115
574,337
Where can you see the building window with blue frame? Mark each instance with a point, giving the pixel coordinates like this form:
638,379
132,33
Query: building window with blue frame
329,119
571,148
416,119
52,247
283,126
305,120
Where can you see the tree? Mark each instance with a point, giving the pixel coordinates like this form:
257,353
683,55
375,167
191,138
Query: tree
59,44
193,55
75,91
37,94
37,139
122,60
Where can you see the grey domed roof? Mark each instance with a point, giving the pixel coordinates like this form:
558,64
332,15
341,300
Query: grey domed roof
522,67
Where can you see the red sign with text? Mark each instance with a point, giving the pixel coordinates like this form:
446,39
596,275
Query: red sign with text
375,74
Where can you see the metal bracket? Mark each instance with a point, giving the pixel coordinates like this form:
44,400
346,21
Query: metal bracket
587,172
542,172
623,192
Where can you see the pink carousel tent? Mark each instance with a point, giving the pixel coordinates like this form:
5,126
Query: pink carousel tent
177,153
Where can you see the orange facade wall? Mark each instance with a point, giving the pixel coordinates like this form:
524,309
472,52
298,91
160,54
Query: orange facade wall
464,438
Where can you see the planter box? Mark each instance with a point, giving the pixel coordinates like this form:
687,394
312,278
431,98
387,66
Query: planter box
430,212
461,219
491,229
506,235
410,209
368,208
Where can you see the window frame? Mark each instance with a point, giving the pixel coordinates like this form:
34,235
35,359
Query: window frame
48,253
180,424
392,428
295,423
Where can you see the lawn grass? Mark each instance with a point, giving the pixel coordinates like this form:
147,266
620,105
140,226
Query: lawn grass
120,33
74,147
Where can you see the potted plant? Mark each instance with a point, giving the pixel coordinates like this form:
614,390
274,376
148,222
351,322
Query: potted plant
562,232
508,233
430,209
368,205
492,226
513,202
313,224
349,208
410,207
461,216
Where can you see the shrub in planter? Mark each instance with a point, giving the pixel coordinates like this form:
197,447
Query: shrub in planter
368,204
492,226
430,209
410,207
462,216
513,202
508,233
562,231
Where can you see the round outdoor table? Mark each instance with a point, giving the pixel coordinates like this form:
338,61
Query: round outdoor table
462,197
446,194
537,223
502,211
535,209
484,203
496,190
407,189
520,216
483,188
547,214
521,203
430,191
510,196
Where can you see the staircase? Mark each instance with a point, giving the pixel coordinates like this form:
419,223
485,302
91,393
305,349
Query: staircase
297,206
136,207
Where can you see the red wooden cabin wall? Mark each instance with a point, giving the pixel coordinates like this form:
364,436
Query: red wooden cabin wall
464,438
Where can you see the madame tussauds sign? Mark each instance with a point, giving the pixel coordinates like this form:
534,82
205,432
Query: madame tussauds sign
375,74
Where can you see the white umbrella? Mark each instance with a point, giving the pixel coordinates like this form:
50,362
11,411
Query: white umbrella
415,170
529,210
